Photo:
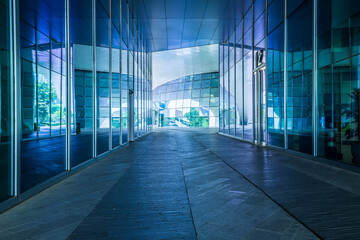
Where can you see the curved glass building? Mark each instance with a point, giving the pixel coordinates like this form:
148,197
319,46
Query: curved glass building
190,101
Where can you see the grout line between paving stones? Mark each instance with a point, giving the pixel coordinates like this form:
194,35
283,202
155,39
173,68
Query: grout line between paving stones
252,183
187,192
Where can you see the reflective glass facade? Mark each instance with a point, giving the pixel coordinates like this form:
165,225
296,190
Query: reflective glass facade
296,79
190,101
6,133
66,71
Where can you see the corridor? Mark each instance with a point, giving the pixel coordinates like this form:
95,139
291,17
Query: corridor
193,184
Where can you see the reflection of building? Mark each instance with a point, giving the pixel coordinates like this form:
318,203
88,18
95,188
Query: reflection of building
190,101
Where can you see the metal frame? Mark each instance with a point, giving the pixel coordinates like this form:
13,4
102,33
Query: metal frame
266,72
285,77
16,101
235,118
254,107
94,82
315,116
315,66
68,85
120,69
243,76
128,75
110,75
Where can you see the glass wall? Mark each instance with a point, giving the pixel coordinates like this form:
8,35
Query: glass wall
190,101
72,87
115,74
221,88
81,32
275,73
338,81
43,95
102,76
294,79
6,187
239,83
299,76
248,76
232,95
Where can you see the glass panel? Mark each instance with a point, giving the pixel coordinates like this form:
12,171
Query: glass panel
115,74
338,81
232,101
299,79
42,78
275,87
226,90
102,78
239,99
187,108
6,119
248,96
124,94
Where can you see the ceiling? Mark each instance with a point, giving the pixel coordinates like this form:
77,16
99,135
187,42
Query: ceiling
172,24
163,24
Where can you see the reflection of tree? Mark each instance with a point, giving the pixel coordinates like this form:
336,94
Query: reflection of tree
44,102
195,120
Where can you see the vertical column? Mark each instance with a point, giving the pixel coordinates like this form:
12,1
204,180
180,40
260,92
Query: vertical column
137,81
266,70
110,77
285,77
16,98
314,93
94,81
254,100
120,69
68,83
243,77
228,79
234,90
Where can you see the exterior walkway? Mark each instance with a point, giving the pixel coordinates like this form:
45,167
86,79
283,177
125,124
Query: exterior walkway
193,184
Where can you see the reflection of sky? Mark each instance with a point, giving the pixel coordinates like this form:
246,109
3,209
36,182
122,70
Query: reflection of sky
172,64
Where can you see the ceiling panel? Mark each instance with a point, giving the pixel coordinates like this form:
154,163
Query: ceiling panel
175,9
186,23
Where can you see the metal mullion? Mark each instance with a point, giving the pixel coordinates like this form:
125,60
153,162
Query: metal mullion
223,91
142,88
133,83
266,71
61,87
243,78
137,81
285,77
228,79
146,93
94,82
110,77
37,84
235,112
15,86
314,85
120,70
254,94
128,69
50,62
68,85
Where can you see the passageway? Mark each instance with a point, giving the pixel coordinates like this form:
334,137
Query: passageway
193,184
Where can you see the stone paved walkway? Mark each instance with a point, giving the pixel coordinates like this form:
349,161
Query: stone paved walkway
191,184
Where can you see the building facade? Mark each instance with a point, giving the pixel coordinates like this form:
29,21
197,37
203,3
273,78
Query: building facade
76,83
289,74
